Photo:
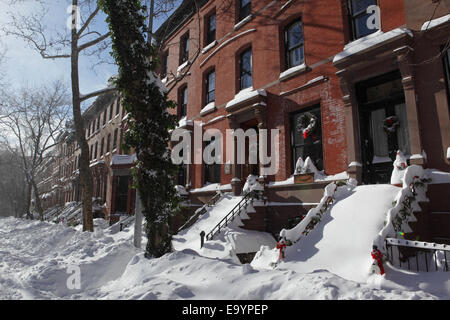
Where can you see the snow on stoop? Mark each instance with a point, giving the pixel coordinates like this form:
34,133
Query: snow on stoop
232,239
341,243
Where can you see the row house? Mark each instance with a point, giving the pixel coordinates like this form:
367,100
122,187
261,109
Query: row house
346,82
111,168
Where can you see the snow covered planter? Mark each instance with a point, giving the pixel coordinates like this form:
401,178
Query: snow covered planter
413,191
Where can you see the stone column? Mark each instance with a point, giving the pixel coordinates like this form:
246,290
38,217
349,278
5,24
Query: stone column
354,169
260,115
405,60
236,170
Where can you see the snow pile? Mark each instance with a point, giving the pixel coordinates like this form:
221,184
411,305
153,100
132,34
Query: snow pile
232,239
35,257
252,184
342,241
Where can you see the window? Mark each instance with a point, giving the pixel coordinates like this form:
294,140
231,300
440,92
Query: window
245,9
245,63
89,130
447,72
211,87
115,139
108,143
184,48
111,111
98,123
183,101
211,29
117,108
93,126
306,137
294,44
164,64
95,150
358,17
102,146
91,154
104,116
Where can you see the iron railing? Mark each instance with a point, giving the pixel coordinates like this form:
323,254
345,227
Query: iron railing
417,255
201,211
246,200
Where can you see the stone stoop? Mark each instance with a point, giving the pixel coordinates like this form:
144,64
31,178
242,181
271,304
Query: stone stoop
439,195
433,221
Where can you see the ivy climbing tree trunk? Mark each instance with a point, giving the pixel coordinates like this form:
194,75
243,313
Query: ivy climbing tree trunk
145,99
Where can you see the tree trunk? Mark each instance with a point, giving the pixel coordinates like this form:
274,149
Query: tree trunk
85,170
28,197
38,200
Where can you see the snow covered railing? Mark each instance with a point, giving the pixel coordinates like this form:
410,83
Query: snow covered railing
407,201
418,254
246,200
314,216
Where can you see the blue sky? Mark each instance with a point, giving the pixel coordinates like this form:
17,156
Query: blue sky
25,66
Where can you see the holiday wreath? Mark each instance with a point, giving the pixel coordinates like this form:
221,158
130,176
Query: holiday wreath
307,124
391,124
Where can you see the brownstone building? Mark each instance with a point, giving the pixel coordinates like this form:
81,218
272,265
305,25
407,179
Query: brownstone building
373,75
110,166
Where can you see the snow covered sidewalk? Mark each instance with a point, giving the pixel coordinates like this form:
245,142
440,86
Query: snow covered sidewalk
34,257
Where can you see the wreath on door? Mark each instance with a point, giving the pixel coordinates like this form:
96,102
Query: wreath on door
307,124
391,124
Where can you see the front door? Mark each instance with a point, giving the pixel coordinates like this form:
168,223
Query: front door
383,125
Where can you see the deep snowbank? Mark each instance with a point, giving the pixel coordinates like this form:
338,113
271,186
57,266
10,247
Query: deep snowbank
34,257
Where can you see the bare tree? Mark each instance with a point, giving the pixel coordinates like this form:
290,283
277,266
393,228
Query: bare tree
82,38
30,123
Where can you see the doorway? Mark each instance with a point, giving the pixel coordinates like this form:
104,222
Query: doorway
383,126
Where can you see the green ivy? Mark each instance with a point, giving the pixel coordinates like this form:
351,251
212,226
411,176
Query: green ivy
149,121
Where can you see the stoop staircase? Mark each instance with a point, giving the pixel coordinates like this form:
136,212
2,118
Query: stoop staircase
433,221
244,206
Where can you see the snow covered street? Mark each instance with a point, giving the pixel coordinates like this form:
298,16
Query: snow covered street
35,256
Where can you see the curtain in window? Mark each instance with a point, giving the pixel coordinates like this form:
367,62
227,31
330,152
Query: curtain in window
379,136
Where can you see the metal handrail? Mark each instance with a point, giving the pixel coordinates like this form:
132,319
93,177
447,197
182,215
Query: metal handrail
249,197
201,211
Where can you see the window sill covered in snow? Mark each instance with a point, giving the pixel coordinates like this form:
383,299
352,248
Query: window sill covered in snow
291,72
209,108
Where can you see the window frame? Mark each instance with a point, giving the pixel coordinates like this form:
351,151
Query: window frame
243,72
244,11
184,48
207,85
288,48
210,34
293,130
352,17
183,101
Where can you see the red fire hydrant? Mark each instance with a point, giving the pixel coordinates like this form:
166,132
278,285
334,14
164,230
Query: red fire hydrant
378,257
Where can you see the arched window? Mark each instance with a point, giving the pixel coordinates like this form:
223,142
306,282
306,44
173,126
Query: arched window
294,44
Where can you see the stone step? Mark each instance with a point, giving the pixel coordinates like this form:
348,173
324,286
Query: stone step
439,195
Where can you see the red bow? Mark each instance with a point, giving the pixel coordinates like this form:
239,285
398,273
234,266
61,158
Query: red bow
377,255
